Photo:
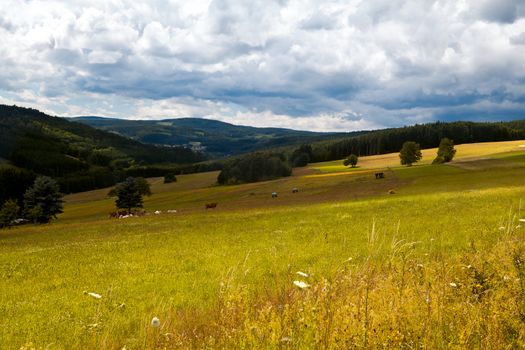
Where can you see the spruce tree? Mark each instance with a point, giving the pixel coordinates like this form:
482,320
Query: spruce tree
128,195
43,201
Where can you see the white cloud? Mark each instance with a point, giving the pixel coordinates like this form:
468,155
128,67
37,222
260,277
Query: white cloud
302,64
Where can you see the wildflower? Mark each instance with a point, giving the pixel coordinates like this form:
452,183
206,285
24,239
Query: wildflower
301,284
94,295
506,278
300,273
427,299
453,285
155,322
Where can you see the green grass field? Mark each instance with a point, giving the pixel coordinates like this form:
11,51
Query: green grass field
438,264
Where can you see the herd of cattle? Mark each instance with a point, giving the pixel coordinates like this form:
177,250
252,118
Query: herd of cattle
123,214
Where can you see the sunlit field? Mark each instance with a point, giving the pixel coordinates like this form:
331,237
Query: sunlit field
432,256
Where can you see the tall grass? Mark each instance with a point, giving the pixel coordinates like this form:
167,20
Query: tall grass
409,299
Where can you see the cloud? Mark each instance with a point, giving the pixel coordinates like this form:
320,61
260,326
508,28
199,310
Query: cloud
320,65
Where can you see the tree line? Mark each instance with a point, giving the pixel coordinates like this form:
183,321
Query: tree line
257,166
426,135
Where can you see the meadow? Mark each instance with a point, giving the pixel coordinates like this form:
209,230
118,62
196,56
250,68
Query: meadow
341,264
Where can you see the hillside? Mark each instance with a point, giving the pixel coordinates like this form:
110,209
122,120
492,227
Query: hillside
438,264
427,135
74,152
216,138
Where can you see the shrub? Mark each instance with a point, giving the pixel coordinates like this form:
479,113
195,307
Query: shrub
169,178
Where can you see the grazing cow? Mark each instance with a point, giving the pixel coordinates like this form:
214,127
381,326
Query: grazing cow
157,212
172,211
380,175
113,215
391,192
211,205
274,194
295,190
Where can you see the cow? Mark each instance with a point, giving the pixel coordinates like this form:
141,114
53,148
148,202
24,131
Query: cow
274,194
211,205
380,175
391,192
295,190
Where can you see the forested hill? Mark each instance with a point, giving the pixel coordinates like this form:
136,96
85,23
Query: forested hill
79,156
215,138
427,135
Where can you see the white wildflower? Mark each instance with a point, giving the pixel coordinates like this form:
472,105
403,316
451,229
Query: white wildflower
453,285
301,284
95,295
155,322
300,273
506,278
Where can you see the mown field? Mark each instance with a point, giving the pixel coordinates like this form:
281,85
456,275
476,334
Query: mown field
438,264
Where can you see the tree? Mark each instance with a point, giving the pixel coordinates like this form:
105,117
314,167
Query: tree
128,195
301,160
43,201
143,185
8,213
302,155
410,153
351,160
446,151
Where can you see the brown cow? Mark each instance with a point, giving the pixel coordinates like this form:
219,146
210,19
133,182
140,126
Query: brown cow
211,205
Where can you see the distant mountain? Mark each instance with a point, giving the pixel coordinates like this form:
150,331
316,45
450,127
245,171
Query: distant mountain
78,155
216,138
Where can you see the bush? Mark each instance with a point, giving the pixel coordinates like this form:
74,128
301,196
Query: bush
169,178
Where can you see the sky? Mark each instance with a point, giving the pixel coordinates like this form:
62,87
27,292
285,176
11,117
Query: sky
310,65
